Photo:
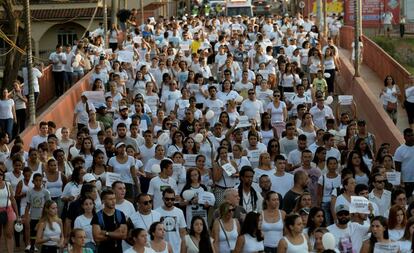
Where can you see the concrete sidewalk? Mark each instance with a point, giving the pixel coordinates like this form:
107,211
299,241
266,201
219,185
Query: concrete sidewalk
376,84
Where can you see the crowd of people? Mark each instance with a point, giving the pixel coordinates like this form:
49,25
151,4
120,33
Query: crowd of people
213,135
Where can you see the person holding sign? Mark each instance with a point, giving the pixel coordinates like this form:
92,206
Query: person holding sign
379,241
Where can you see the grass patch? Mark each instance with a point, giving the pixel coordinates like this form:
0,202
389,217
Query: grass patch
402,50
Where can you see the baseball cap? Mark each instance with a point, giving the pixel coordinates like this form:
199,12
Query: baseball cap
123,107
88,177
341,208
304,210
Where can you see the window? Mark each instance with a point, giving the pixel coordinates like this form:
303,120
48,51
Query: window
66,36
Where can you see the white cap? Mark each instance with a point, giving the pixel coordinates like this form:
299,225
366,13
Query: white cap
88,177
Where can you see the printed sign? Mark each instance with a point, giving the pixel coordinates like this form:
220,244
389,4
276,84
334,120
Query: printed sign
229,169
125,56
345,99
359,205
95,97
190,160
391,247
206,197
394,177
111,178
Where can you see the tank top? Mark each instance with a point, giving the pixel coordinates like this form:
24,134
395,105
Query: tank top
277,113
93,132
272,232
252,245
163,251
329,63
55,187
266,136
297,248
51,233
4,201
25,189
231,237
191,246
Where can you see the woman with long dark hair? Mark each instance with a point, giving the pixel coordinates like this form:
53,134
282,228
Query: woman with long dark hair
356,164
390,96
99,167
251,236
397,220
7,112
379,234
198,239
316,219
405,242
193,183
365,151
86,151
267,130
84,221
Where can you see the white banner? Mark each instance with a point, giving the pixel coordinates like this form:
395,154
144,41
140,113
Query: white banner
359,205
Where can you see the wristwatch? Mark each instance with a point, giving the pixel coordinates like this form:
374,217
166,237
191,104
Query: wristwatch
107,234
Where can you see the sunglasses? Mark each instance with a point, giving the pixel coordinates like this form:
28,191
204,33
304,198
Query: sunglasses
251,93
276,96
232,210
169,199
380,181
147,202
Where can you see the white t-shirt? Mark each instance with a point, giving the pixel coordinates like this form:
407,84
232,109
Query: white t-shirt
57,60
85,224
173,221
82,114
124,169
144,221
329,184
6,109
277,113
36,140
146,250
405,155
146,153
36,75
282,184
157,186
355,231
252,109
320,115
126,207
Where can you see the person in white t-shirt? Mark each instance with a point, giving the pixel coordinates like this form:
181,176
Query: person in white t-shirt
404,159
346,231
159,183
282,182
58,60
140,238
173,219
252,107
41,137
145,216
121,203
36,74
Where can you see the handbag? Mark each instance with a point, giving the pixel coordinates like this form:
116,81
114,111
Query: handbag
225,234
3,214
391,107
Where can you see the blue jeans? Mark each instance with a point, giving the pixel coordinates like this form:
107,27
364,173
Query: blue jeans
7,126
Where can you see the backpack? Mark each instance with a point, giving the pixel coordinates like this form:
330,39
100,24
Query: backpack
118,217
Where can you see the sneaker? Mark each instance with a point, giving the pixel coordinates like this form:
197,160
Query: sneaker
27,248
35,249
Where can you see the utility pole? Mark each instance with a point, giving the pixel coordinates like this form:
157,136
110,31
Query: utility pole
358,34
105,23
142,11
319,14
325,23
29,60
114,10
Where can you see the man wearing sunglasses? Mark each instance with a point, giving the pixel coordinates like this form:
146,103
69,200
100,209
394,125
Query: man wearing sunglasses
173,219
145,216
379,195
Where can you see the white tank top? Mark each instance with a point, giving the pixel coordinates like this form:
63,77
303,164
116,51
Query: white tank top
267,136
297,248
231,237
49,233
93,132
55,187
25,189
272,232
329,63
4,201
164,251
252,245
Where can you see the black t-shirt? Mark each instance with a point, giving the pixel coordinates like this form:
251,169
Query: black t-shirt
187,128
111,224
289,201
74,211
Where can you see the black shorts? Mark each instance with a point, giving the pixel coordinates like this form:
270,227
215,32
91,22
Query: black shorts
33,230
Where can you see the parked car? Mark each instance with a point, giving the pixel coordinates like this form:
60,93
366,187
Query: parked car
261,7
